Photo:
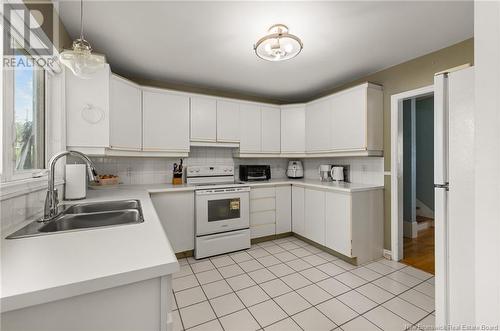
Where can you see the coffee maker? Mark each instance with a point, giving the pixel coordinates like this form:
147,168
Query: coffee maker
325,173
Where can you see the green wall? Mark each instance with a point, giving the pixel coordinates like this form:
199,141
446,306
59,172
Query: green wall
425,150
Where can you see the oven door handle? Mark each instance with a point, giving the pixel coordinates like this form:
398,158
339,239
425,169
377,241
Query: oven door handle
223,191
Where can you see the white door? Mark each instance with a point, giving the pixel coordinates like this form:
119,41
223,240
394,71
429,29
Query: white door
315,216
283,209
125,115
293,129
338,222
271,129
348,122
203,119
228,121
298,212
250,128
165,121
454,210
318,126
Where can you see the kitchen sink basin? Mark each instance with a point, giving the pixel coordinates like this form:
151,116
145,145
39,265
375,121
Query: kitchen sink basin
69,222
85,216
97,207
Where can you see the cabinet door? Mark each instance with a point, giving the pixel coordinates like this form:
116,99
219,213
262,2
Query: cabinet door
338,222
125,115
271,130
298,210
87,109
250,128
283,209
348,122
176,213
293,130
315,216
203,119
318,126
165,122
228,120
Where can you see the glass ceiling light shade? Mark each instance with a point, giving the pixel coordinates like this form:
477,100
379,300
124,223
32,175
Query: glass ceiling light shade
278,45
80,59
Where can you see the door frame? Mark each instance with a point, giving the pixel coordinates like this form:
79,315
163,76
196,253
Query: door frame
397,166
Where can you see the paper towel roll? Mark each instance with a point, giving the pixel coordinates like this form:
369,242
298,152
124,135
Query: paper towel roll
76,182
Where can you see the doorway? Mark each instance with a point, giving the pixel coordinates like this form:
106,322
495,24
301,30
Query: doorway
418,182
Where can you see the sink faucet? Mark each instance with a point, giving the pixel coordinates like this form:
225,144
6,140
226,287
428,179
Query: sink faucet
51,199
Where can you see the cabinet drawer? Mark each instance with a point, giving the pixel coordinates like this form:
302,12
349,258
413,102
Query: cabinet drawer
262,204
265,192
263,217
262,230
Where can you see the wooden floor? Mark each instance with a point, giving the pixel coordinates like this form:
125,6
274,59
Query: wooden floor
419,252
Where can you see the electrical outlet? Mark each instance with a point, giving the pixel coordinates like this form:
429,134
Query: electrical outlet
129,171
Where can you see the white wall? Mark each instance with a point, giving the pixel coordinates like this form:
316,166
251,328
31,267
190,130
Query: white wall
487,161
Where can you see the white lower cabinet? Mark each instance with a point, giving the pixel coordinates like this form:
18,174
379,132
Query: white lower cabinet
315,215
176,213
338,222
270,211
298,210
283,209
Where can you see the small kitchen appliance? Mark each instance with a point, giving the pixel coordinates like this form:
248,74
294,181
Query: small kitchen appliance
222,210
254,172
324,172
295,169
340,173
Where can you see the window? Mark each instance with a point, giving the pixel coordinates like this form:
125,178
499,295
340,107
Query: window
29,115
23,118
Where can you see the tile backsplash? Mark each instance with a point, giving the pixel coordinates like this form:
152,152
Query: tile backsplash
368,170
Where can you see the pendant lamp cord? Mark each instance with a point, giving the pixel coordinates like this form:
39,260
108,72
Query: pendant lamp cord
81,19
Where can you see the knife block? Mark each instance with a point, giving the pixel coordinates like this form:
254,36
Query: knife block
177,178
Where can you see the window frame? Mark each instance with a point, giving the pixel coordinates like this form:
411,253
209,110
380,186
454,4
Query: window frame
8,171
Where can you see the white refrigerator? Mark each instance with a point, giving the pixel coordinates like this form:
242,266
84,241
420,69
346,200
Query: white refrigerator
454,196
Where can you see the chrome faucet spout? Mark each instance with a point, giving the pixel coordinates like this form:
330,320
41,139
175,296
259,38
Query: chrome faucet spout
51,199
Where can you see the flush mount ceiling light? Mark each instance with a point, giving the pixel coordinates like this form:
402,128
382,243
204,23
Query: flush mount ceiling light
278,45
80,60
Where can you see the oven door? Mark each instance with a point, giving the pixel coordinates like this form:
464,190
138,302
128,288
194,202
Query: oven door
221,210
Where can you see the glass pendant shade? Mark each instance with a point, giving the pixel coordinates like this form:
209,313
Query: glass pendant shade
278,45
81,61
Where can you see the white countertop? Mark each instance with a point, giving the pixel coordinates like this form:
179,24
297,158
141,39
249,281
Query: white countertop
45,268
312,183
41,269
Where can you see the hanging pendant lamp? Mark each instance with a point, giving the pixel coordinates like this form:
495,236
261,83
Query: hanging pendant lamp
80,60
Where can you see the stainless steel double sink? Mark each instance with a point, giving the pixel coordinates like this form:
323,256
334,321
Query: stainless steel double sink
85,216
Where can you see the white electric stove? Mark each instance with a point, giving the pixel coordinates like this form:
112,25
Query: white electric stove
222,210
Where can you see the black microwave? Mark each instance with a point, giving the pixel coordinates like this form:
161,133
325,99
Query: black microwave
255,172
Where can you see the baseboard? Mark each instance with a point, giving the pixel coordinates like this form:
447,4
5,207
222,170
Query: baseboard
351,260
410,229
269,238
423,209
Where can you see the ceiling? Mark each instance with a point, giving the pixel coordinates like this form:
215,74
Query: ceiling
209,44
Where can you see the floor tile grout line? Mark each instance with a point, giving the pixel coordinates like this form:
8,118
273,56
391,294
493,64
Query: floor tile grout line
312,282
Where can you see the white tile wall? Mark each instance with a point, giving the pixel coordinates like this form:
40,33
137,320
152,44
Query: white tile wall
16,210
364,170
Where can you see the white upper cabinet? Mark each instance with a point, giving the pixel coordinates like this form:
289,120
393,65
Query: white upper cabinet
125,115
250,128
165,121
346,123
203,119
228,119
293,129
271,132
87,110
357,119
318,118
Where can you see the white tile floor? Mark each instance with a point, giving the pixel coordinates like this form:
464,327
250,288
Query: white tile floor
287,284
